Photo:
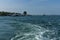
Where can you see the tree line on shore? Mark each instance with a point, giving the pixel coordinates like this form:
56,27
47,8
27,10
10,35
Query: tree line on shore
12,13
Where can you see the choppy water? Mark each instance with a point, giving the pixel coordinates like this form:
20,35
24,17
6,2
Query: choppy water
30,28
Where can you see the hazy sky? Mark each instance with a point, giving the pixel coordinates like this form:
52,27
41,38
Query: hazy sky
36,7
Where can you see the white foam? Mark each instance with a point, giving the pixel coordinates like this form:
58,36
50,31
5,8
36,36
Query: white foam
39,31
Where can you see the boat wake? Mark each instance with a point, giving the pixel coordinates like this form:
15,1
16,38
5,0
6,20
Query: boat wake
27,31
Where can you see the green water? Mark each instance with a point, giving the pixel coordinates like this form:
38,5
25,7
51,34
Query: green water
30,28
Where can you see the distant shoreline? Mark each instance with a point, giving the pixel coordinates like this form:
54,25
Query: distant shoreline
13,14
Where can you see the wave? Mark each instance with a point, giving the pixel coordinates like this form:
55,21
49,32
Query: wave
27,31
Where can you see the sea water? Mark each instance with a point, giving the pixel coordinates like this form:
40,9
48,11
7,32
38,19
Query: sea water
30,27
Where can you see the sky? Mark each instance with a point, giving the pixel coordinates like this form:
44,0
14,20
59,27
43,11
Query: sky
34,7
